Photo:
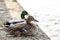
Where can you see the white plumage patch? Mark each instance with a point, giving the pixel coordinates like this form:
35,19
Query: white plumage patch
26,16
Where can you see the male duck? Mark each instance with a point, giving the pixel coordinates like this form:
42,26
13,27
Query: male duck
13,22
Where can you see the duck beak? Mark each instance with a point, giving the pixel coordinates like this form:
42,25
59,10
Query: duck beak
36,20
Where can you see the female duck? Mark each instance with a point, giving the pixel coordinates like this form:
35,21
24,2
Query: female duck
28,29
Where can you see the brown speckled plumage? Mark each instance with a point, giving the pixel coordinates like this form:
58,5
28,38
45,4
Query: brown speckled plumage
29,27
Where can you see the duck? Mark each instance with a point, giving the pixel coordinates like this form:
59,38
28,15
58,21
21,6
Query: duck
10,23
25,30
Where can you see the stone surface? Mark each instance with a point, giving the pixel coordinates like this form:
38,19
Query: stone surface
40,35
14,9
1,0
4,13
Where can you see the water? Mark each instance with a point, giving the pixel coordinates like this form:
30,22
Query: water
47,13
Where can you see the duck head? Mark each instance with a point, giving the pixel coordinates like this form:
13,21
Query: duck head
31,19
23,14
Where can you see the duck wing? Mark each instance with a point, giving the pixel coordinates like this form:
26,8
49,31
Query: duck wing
18,27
